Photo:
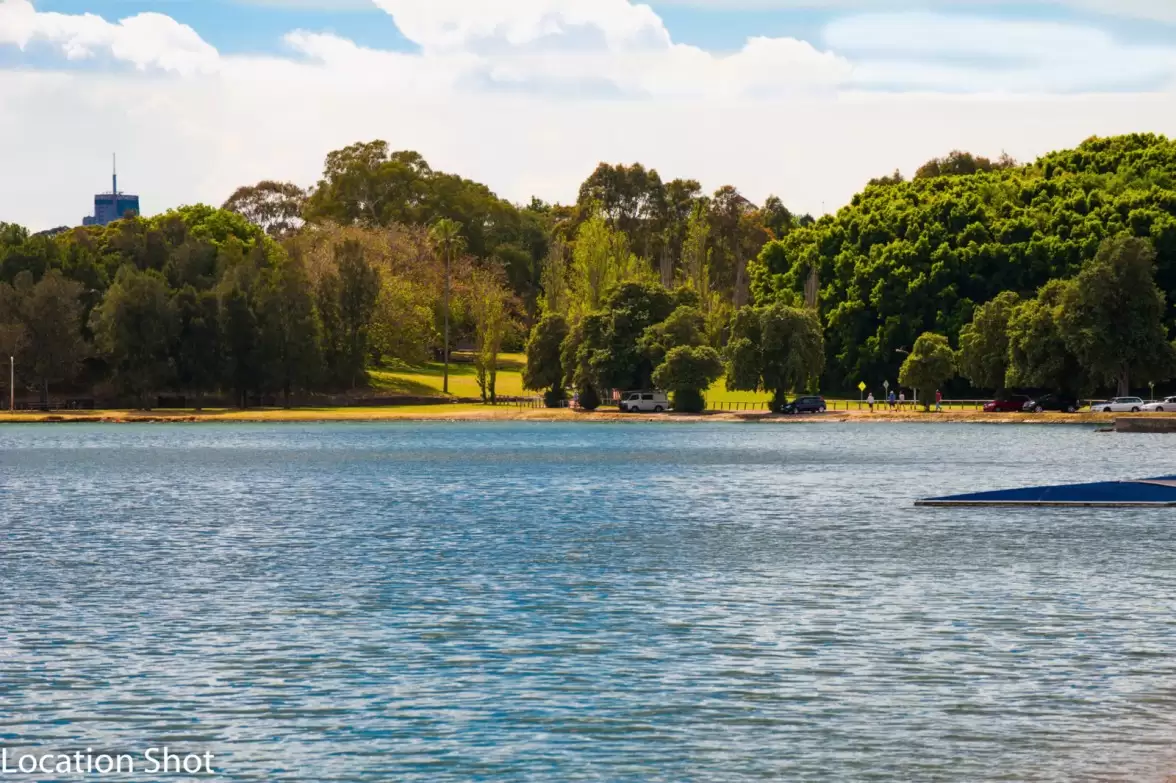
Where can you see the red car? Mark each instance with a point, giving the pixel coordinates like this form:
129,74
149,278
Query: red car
1014,403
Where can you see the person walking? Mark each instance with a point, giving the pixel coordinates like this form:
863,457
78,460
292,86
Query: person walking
901,400
870,401
891,400
938,401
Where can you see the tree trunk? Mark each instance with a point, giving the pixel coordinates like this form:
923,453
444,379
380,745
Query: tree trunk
45,393
779,398
286,395
199,401
1124,383
742,294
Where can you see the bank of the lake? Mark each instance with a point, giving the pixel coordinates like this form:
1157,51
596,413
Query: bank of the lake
506,413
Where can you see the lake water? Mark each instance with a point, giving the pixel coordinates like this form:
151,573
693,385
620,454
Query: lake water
550,602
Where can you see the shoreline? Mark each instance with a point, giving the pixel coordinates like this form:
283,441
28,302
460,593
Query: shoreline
506,413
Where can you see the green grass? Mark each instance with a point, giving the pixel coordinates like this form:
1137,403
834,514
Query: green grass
718,394
427,380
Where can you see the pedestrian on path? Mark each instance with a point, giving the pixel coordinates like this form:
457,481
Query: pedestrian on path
891,400
870,401
938,401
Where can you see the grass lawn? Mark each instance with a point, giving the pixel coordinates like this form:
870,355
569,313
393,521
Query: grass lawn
442,411
427,380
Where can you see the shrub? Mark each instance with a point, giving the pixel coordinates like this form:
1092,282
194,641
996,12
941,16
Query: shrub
689,401
589,398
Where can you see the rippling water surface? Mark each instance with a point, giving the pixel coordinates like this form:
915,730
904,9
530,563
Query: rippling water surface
545,602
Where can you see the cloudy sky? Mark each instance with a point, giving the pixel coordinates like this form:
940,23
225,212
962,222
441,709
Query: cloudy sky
806,99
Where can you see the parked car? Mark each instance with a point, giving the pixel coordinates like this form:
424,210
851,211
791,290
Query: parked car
1166,405
1014,403
645,402
805,405
1053,402
1120,405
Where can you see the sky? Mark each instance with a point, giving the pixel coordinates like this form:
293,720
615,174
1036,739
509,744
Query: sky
804,99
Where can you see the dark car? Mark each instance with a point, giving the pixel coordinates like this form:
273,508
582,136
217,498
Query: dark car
805,405
1052,402
1012,404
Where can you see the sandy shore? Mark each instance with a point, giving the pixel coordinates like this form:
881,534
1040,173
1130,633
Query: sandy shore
511,413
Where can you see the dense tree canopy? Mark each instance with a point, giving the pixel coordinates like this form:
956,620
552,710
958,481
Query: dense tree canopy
910,257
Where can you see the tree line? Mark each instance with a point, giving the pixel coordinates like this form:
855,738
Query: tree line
285,292
981,273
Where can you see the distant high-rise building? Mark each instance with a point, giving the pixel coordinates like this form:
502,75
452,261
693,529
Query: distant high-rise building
112,206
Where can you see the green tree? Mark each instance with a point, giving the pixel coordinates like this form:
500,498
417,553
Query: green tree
197,346
240,342
577,355
488,305
447,242
984,343
50,314
777,349
327,303
600,262
686,373
291,333
359,290
134,328
402,327
1038,354
685,327
931,363
554,280
275,207
544,370
1113,315
611,348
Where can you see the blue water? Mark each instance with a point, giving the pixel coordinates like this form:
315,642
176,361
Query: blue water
549,602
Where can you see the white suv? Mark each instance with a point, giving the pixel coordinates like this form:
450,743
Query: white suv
645,402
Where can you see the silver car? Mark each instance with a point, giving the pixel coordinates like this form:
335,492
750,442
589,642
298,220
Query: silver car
1166,405
1120,405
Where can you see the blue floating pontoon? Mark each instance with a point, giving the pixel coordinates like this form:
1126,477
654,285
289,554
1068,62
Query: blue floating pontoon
1157,492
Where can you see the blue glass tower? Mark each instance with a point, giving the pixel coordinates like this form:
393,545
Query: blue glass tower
112,206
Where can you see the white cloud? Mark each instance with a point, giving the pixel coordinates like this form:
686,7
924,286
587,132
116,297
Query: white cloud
445,25
968,53
528,96
145,40
1156,10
